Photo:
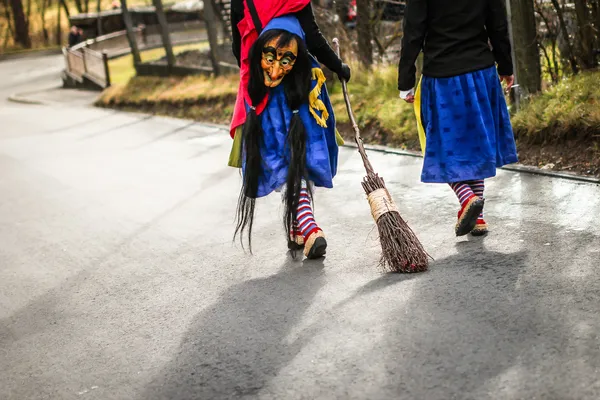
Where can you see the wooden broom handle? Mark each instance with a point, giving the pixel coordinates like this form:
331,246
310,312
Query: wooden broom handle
357,138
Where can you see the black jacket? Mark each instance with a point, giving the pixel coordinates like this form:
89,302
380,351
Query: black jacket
315,41
455,36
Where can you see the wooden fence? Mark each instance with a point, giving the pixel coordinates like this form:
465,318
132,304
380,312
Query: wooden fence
89,60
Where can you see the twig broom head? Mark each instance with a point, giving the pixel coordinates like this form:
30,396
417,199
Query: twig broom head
401,249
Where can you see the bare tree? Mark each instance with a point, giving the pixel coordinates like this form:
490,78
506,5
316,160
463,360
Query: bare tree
79,6
20,23
8,16
384,34
98,18
565,33
9,32
551,36
527,54
43,8
365,32
58,29
586,34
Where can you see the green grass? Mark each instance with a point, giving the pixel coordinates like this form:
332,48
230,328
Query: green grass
121,69
377,107
569,110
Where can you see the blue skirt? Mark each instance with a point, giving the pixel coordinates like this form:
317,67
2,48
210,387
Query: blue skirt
467,127
321,142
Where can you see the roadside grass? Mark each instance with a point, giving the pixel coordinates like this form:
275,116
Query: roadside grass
569,110
374,98
376,106
200,97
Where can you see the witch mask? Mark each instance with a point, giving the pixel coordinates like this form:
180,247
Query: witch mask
277,61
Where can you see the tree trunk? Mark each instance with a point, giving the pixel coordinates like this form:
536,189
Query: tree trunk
28,13
7,36
527,54
586,35
552,35
211,30
135,51
98,19
565,34
164,32
79,6
8,16
58,27
341,9
363,27
20,23
596,8
45,5
65,7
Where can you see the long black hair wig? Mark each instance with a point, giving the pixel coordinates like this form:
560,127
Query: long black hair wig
297,86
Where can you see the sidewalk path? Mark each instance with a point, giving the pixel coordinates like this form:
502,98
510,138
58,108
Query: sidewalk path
118,278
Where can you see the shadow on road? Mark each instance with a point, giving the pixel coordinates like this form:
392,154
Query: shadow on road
237,345
457,330
83,124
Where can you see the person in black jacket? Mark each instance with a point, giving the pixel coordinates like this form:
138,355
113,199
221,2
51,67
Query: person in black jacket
316,42
460,104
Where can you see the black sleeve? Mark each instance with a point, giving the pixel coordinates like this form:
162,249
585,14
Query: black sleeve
496,24
237,14
415,30
316,42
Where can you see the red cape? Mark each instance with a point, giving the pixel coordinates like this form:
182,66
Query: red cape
267,10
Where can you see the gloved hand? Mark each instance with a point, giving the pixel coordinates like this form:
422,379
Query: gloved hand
345,73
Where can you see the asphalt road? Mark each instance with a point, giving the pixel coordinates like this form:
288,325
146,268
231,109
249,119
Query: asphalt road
119,280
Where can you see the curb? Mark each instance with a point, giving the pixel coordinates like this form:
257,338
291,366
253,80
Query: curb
515,167
417,154
29,97
30,53
23,98
16,98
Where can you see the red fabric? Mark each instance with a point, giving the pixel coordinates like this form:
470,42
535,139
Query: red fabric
267,10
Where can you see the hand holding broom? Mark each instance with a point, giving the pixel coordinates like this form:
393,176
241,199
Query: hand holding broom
401,249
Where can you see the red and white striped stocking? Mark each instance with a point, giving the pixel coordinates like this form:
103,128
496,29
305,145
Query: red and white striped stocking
306,220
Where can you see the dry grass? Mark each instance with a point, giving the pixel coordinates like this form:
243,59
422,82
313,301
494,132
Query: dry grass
196,97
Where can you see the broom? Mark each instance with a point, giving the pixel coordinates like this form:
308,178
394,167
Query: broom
401,249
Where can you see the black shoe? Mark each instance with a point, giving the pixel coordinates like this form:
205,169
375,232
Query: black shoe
468,219
316,247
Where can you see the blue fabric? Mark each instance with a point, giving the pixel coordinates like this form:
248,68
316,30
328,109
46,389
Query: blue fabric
287,23
321,146
467,126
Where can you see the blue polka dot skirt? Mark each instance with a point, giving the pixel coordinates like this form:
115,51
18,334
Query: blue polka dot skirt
467,127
